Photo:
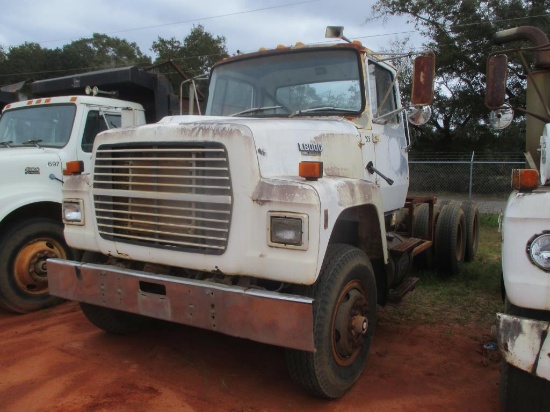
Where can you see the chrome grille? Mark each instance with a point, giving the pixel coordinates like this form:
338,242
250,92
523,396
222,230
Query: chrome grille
175,196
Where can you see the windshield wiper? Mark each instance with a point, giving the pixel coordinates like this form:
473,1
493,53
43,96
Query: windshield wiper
322,109
6,143
34,142
257,109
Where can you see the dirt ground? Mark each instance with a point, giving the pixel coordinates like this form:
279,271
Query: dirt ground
54,360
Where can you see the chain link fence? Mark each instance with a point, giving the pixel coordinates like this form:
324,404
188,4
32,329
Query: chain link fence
459,176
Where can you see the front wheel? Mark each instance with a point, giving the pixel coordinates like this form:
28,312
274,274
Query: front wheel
344,319
519,390
110,320
24,250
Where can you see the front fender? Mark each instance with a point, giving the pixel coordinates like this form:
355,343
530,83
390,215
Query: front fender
16,196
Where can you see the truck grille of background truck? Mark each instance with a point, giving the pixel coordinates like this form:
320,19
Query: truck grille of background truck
175,195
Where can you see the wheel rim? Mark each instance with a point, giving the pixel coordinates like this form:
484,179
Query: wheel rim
350,323
30,265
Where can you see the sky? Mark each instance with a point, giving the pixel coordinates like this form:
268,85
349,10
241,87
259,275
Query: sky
247,25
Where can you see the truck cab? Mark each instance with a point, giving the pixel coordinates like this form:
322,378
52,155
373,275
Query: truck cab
37,138
523,326
281,216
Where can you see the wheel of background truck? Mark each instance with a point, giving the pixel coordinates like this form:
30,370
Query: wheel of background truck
111,320
426,259
24,250
450,239
519,390
471,213
344,319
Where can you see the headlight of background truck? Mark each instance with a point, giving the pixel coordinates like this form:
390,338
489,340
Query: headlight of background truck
287,230
539,250
73,212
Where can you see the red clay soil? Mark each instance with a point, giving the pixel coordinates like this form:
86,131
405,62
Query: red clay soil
55,360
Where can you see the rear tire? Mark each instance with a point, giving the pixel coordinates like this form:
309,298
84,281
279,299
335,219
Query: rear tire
426,259
24,249
344,319
450,240
471,213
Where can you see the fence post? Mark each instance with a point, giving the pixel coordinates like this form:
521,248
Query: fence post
471,176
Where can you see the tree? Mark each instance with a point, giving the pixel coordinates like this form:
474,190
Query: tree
29,61
101,52
24,62
461,36
195,55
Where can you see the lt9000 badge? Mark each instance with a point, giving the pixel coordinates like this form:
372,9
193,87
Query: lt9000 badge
32,170
310,149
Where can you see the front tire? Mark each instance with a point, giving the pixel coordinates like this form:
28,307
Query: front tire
114,321
24,250
344,319
110,320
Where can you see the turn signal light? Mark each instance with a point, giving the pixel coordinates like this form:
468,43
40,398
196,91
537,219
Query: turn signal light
525,179
74,167
311,170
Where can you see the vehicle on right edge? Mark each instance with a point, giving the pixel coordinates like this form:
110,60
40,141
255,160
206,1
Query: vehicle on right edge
522,330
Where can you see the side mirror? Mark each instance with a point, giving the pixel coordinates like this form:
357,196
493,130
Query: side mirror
497,73
422,93
336,32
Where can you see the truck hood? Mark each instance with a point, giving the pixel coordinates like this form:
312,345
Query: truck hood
281,143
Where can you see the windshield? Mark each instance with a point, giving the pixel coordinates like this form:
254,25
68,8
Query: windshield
44,125
320,82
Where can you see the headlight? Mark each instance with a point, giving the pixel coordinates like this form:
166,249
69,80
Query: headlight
289,230
73,212
539,251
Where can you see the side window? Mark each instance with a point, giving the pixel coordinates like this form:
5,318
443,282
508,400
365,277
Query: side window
231,96
95,123
382,92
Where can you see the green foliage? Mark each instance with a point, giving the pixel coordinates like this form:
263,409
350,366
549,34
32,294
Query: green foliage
102,52
461,36
29,61
195,55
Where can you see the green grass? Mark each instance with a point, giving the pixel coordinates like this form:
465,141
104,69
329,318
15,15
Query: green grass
473,297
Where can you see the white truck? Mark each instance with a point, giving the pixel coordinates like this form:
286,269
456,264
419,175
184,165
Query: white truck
281,216
37,138
522,330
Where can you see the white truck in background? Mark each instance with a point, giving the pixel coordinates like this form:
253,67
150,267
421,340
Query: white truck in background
281,216
37,138
522,329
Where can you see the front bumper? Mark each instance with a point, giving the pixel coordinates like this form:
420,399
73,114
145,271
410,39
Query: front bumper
525,344
263,316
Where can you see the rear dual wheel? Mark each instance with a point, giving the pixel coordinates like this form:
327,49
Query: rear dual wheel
450,240
344,319
471,214
426,259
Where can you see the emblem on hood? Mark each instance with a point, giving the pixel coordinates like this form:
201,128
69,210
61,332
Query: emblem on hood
310,149
32,170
